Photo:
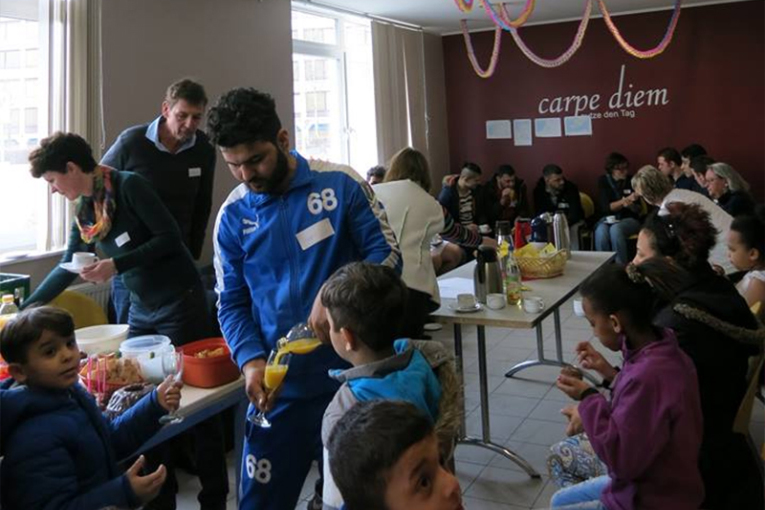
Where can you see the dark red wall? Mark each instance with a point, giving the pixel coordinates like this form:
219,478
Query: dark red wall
714,73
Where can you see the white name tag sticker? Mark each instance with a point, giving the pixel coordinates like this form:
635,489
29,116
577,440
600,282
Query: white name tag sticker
121,239
195,172
315,234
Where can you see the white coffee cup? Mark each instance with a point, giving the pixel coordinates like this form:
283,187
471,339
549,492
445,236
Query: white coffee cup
578,308
465,301
533,304
83,259
484,229
611,219
496,301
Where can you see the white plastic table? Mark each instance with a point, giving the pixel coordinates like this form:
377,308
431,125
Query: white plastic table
554,292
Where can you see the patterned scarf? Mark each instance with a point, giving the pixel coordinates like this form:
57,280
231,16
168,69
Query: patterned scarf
94,213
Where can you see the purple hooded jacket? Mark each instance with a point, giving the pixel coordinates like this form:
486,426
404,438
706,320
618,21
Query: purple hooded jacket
649,434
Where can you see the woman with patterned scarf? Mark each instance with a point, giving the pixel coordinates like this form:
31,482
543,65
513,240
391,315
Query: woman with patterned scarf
121,215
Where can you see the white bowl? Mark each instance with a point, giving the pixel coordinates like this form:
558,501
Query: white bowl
101,339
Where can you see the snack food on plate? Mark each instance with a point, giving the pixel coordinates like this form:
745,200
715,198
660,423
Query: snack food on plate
119,371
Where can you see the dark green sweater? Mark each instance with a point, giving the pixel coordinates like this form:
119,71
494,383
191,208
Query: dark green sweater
184,181
154,263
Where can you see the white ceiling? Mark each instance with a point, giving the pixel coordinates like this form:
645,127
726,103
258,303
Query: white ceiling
442,16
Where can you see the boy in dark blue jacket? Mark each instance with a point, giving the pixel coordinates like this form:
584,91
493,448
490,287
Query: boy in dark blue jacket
59,451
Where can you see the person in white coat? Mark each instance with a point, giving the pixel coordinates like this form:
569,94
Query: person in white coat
416,217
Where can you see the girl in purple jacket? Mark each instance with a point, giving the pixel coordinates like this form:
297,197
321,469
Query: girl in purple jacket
648,434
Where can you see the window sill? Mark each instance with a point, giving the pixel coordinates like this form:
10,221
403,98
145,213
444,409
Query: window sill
6,262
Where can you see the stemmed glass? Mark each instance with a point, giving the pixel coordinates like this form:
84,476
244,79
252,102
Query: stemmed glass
172,364
276,371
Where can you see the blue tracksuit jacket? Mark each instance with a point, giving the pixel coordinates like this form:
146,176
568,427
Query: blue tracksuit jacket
274,252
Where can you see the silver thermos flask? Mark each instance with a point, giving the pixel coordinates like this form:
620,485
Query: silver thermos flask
561,234
487,276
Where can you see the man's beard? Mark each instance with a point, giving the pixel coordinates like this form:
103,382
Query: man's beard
275,182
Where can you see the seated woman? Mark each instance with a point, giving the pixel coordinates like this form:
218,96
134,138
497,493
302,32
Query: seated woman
416,217
715,328
728,189
657,189
617,199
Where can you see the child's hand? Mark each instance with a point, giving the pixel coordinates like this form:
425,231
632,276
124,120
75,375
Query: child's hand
571,386
169,394
588,357
146,487
574,426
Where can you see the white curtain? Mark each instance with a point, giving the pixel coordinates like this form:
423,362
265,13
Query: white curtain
75,88
399,89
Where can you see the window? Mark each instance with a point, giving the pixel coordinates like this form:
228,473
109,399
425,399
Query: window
334,94
315,70
316,104
38,95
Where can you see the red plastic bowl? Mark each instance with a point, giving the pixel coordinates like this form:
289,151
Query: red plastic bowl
208,372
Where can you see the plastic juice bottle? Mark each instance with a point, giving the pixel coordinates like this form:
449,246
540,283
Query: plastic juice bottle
275,374
8,306
513,283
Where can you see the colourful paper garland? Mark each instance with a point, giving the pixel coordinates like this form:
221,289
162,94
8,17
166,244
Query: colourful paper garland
566,55
471,53
502,18
503,22
631,49
464,5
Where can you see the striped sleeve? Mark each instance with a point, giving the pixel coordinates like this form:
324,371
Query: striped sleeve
458,234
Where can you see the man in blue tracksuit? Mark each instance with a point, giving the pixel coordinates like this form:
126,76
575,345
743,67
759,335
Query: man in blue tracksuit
278,237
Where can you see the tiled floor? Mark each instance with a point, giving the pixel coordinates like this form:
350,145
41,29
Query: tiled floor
525,417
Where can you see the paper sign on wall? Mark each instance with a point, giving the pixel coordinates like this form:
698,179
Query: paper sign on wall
547,128
522,128
498,129
580,125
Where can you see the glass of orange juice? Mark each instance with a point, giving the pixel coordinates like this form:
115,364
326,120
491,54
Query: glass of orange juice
276,370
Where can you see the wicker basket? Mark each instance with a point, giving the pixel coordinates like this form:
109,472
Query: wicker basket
542,267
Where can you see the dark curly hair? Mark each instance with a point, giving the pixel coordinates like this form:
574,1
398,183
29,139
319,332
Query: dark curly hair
59,149
685,234
243,115
615,159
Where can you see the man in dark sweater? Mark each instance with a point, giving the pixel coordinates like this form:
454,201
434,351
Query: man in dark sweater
554,193
178,161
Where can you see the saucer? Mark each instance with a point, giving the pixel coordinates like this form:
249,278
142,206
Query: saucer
477,307
69,266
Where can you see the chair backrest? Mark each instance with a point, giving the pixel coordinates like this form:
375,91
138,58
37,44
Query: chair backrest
85,311
744,415
756,309
450,407
588,206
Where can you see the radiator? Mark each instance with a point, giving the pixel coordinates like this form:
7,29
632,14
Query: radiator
98,292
